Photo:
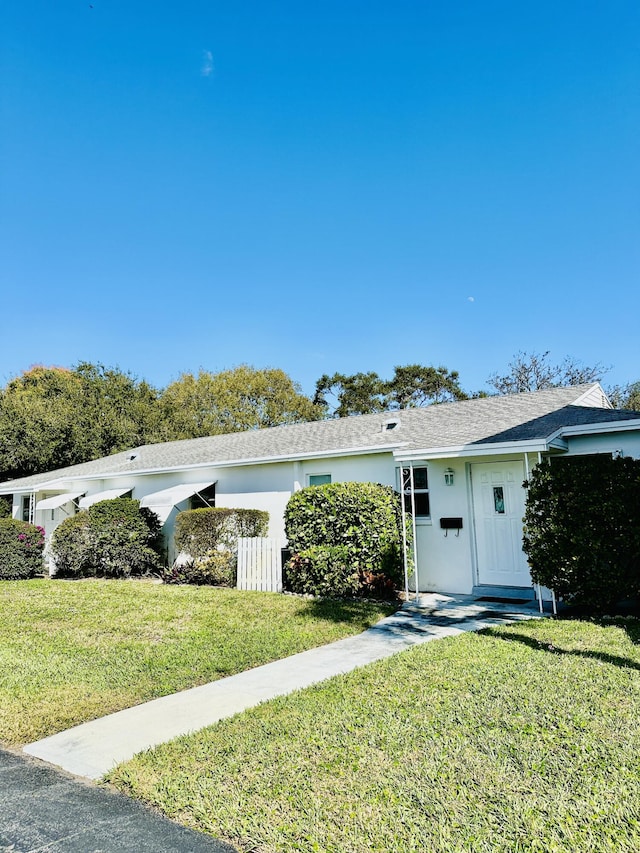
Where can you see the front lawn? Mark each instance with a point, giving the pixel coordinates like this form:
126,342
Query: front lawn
523,738
71,651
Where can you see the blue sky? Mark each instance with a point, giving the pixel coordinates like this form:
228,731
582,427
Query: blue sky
334,186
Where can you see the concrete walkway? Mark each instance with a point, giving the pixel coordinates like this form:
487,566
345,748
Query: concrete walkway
93,748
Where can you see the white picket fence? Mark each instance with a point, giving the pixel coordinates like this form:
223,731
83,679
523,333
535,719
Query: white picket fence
260,564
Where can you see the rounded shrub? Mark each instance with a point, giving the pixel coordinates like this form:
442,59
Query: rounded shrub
582,529
70,550
112,539
21,546
121,538
364,518
202,531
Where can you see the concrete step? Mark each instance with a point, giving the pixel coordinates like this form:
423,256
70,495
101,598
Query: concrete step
506,593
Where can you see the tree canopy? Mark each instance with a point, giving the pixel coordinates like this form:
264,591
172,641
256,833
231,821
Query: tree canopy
53,416
366,393
625,396
418,385
356,394
535,372
233,400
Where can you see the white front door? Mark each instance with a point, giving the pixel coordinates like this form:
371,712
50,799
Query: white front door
498,504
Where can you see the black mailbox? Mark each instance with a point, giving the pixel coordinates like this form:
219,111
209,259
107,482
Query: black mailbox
451,523
448,524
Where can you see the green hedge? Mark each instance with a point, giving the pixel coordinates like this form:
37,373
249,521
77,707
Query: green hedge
6,506
70,549
323,570
21,546
582,528
216,568
201,531
364,518
113,539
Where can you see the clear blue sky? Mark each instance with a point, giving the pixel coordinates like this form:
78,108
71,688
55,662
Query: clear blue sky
329,186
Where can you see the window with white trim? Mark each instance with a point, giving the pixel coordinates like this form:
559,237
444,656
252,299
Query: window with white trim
420,492
26,508
319,479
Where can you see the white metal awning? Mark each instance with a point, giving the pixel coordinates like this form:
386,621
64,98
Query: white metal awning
107,495
57,500
163,502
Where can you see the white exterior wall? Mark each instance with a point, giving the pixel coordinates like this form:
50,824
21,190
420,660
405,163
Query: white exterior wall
626,440
264,487
445,562
371,468
16,508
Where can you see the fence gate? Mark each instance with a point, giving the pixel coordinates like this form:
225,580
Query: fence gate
260,564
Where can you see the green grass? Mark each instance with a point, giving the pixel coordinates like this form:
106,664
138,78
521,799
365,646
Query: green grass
524,738
71,651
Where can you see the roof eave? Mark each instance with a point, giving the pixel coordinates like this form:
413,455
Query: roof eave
611,426
230,463
495,449
7,489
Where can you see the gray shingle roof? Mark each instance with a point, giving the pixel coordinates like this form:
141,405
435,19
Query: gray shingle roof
517,417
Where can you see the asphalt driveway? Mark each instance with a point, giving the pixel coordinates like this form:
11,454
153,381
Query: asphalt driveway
47,810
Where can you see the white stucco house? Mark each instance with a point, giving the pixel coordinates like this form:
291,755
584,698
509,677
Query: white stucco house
464,464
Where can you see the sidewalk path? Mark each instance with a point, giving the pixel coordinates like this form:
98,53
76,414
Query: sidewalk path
93,748
46,810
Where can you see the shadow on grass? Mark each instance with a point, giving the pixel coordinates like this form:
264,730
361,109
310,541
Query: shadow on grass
604,657
348,610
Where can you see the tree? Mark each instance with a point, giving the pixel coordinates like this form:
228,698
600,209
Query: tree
124,410
625,396
366,393
415,385
33,427
535,372
359,394
233,400
51,417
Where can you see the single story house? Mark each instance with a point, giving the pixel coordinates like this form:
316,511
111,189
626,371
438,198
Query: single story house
460,465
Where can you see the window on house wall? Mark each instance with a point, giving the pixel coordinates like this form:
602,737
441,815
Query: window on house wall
319,479
26,508
420,491
204,498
